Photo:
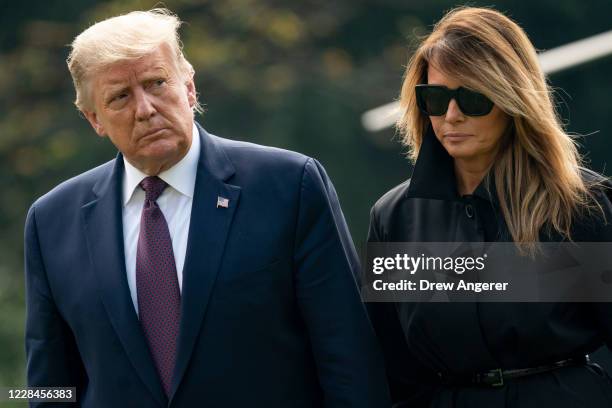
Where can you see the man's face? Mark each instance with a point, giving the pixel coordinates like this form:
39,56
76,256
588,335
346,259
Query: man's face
144,106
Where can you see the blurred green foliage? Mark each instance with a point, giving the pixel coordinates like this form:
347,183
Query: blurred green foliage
296,75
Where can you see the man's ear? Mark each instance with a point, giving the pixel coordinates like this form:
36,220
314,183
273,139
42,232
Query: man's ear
191,92
92,118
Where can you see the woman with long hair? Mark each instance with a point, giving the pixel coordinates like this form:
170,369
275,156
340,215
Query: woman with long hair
491,163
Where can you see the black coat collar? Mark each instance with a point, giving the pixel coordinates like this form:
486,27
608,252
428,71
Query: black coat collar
433,176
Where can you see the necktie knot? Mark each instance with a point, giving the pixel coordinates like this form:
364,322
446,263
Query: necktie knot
153,187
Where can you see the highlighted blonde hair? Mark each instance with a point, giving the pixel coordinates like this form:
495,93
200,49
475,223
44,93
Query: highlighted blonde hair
538,173
125,37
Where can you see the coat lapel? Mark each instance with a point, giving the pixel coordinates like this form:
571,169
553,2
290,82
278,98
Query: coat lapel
208,231
104,233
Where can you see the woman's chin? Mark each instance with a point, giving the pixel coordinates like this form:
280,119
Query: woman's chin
459,150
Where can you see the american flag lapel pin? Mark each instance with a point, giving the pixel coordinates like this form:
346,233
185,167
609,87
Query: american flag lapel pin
222,202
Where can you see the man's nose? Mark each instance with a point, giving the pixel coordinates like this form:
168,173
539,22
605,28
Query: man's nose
144,105
453,113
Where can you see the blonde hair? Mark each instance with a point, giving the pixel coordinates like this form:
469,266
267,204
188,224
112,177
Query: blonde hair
125,37
538,168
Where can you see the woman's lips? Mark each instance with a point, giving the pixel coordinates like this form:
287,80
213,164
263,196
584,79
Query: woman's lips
456,136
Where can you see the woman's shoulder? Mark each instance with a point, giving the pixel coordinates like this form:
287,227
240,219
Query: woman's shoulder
594,221
593,177
385,210
598,184
390,200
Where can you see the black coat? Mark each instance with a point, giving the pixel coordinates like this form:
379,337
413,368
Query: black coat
421,340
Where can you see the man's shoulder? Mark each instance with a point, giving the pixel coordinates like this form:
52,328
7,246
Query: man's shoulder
256,152
76,189
256,155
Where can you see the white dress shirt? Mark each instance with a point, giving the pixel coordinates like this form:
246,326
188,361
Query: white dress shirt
175,203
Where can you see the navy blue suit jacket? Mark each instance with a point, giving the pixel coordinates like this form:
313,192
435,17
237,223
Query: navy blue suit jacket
271,315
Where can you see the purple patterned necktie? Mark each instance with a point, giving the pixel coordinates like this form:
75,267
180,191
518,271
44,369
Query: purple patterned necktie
159,299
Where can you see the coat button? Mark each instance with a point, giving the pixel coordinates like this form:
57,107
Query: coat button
469,211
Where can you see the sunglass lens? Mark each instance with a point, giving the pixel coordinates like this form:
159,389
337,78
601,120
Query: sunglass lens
434,101
473,103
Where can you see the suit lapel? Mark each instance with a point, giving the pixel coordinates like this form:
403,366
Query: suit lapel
208,231
104,233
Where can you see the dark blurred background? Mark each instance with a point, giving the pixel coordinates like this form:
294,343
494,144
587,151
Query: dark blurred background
291,74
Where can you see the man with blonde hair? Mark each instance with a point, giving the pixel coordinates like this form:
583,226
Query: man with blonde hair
190,270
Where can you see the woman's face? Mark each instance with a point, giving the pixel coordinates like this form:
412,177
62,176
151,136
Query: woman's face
467,138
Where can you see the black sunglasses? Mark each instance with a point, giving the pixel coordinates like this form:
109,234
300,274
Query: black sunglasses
433,100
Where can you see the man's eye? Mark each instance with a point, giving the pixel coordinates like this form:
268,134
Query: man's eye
119,97
159,82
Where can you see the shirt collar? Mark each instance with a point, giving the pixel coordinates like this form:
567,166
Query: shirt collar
180,177
433,175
